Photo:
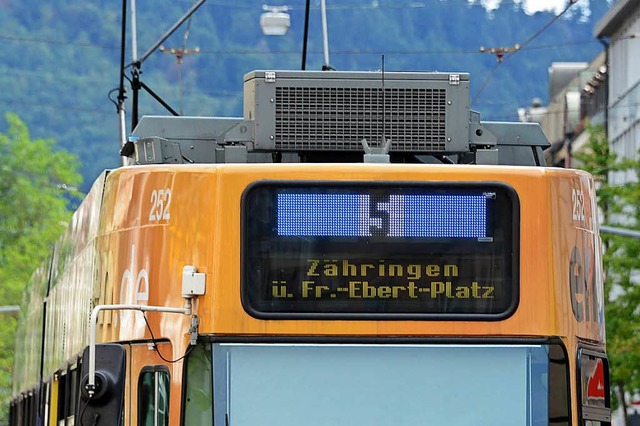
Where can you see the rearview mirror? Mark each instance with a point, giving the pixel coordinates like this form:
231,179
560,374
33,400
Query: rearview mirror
105,406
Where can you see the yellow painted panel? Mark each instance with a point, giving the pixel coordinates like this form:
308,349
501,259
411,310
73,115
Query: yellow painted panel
157,219
53,403
142,355
530,319
190,215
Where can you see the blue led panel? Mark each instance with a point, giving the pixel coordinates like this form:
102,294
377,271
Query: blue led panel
367,215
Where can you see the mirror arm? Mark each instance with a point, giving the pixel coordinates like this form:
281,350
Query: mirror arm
91,385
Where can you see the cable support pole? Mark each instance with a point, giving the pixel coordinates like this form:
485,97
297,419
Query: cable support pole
121,90
136,84
134,31
325,36
306,35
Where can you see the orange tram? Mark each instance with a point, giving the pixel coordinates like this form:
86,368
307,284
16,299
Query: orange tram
283,268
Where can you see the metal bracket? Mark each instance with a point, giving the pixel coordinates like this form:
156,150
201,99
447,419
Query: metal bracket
240,133
376,155
193,330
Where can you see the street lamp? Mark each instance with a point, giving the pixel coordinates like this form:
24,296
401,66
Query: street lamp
275,20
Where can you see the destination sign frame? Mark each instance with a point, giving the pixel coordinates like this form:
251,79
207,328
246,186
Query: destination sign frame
354,273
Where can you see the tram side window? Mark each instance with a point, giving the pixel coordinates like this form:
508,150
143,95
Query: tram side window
27,410
23,410
21,413
153,396
31,410
13,413
73,392
44,403
62,398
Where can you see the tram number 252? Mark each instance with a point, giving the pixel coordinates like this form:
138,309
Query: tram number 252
160,203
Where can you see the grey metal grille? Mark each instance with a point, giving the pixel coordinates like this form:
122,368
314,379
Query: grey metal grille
338,118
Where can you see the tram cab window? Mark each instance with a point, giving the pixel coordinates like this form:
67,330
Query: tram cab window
320,384
153,397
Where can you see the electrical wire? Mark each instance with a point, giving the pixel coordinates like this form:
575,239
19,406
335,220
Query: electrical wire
296,52
61,108
372,6
96,416
387,51
239,93
56,42
486,81
521,46
86,404
541,30
111,92
155,345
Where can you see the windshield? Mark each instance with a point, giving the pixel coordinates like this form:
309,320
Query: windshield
376,385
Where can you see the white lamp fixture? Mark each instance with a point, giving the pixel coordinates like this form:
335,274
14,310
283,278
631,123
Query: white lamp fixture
275,20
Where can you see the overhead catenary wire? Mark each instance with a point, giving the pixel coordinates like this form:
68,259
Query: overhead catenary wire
521,46
371,6
292,52
543,29
58,107
376,52
238,94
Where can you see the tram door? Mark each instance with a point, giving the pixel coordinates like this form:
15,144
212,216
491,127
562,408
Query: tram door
147,394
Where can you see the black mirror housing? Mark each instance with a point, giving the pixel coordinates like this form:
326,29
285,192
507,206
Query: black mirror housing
105,406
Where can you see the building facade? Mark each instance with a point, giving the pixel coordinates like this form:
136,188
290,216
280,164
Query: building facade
577,95
619,30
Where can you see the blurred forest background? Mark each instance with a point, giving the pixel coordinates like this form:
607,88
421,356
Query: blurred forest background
61,57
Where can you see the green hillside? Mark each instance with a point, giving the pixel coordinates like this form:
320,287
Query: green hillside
61,58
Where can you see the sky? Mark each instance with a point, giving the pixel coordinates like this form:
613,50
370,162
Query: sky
532,6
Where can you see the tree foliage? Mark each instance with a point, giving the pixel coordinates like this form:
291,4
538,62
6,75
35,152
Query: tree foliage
37,189
620,207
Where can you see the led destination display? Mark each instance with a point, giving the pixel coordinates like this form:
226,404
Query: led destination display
371,250
367,215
